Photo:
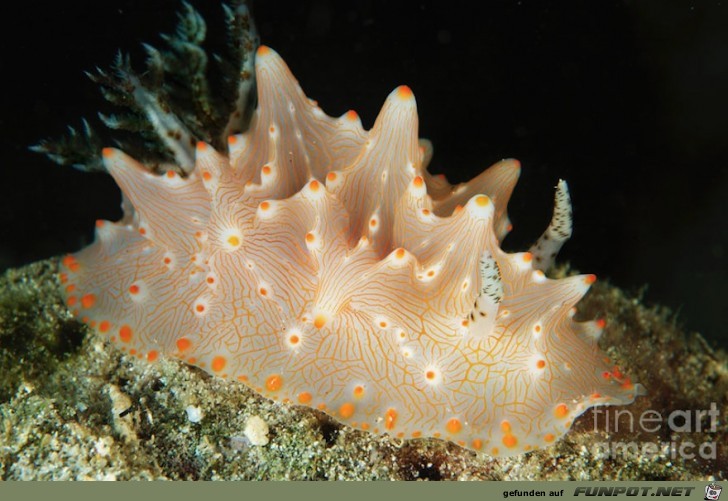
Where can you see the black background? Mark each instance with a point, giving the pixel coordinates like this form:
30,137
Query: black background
626,100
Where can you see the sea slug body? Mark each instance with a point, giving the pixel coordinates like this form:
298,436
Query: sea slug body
322,265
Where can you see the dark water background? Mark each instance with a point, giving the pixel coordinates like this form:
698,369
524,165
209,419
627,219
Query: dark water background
626,100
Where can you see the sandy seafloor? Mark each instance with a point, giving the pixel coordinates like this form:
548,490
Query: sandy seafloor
74,407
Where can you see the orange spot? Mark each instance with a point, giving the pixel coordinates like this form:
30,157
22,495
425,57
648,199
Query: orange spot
167,260
264,205
549,437
595,396
88,300
454,426
541,364
606,374
505,427
104,326
537,328
627,384
266,169
416,434
63,277
321,406
601,323
125,333
590,279
171,174
509,440
218,363
71,301
142,231
99,223
314,185
331,176
132,351
107,152
200,308
263,291
382,324
134,289
310,237
272,129
243,378
404,92
359,391
365,426
617,373
372,222
210,280
346,410
234,241
71,288
274,382
70,262
201,146
425,212
482,201
193,361
430,375
262,50
206,175
465,323
399,253
351,115
232,139
458,208
561,411
477,444
183,344
390,419
494,451
319,321
418,182
85,320
152,355
293,339
527,257
400,434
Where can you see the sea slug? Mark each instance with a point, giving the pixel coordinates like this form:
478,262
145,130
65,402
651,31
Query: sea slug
322,265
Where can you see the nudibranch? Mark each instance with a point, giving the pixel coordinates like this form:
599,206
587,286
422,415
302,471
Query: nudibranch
322,265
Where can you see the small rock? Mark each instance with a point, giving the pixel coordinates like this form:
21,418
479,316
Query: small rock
194,414
256,430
